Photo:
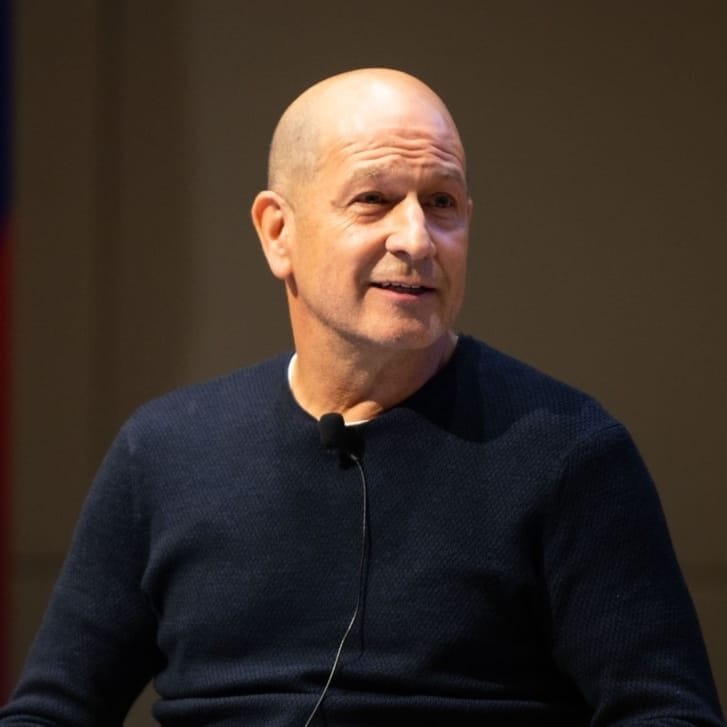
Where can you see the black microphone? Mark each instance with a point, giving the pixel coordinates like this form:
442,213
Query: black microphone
335,435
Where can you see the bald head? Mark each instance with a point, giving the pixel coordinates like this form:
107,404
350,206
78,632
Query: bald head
366,220
341,104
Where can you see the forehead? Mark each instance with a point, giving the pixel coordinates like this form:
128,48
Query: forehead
393,146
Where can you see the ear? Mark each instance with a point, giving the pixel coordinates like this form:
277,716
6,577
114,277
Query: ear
273,221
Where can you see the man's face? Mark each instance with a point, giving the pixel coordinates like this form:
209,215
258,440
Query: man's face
381,228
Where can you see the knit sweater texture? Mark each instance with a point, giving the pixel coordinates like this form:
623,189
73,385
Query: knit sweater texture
518,566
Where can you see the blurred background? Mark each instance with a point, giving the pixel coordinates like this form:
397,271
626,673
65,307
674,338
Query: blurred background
596,140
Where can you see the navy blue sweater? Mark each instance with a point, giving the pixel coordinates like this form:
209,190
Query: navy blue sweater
519,570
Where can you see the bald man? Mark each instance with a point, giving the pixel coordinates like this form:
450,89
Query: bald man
395,523
367,225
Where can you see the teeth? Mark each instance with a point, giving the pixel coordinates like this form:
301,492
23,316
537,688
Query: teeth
400,285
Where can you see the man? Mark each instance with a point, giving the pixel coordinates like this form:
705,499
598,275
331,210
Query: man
491,550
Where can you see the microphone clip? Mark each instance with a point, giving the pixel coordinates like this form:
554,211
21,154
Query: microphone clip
347,442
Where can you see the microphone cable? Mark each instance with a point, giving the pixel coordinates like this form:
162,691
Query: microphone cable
359,596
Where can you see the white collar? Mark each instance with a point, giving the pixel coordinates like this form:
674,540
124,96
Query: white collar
291,368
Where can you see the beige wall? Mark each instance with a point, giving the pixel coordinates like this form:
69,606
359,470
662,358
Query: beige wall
597,147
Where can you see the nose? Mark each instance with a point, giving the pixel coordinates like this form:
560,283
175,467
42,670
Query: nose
410,235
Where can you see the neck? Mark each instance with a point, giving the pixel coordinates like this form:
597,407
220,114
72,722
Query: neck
360,383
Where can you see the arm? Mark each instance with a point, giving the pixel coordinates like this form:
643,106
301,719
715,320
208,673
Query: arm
622,623
95,649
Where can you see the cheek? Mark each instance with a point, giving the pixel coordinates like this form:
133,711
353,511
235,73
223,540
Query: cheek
354,251
452,255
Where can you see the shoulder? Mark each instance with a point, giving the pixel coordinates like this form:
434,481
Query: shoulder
512,393
209,408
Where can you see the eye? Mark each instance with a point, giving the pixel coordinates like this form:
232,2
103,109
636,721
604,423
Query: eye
442,201
371,198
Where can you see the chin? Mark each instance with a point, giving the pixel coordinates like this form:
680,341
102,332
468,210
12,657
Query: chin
408,339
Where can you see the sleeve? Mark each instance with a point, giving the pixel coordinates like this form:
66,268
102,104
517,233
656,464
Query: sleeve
95,649
622,622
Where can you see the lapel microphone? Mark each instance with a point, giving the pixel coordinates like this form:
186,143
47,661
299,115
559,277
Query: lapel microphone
336,436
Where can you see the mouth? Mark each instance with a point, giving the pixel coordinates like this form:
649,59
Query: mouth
403,288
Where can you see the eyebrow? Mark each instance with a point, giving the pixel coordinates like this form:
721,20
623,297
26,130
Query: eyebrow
377,173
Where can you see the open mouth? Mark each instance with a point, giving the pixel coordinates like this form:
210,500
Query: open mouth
403,288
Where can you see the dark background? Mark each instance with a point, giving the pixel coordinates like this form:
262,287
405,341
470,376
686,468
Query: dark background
596,140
